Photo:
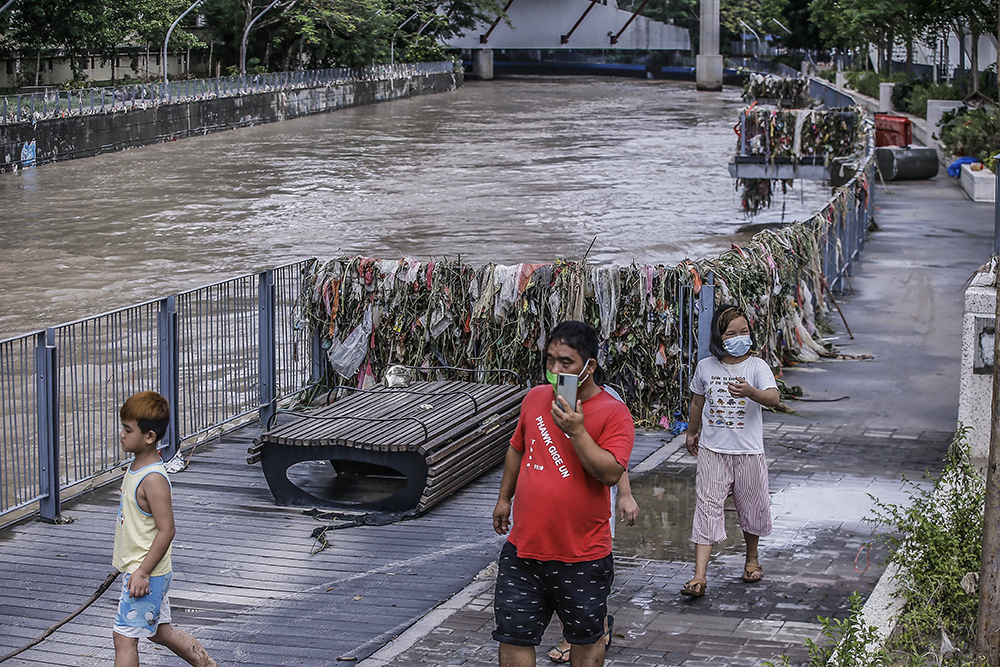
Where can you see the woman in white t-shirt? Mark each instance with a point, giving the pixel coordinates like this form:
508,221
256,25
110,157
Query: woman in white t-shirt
726,433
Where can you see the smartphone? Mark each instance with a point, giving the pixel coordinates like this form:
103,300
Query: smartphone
566,387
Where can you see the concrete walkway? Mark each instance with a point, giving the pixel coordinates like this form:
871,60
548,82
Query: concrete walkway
408,593
865,424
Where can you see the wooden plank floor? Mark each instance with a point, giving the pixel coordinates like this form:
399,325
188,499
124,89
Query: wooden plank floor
244,582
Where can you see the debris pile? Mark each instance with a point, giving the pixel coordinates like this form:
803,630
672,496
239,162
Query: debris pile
376,313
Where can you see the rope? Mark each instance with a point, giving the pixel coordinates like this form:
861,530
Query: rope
52,628
868,557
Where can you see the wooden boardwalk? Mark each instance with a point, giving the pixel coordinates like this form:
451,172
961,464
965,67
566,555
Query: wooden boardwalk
244,581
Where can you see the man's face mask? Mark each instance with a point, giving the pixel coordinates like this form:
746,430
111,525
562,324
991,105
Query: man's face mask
553,378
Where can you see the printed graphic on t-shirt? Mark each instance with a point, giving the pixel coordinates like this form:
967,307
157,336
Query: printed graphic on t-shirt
551,452
724,411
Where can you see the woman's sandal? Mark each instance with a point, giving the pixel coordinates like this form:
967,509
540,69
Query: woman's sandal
752,572
695,588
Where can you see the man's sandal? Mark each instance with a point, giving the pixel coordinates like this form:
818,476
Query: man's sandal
695,588
753,572
557,654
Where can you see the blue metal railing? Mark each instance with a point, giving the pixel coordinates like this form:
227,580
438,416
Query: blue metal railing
218,353
38,106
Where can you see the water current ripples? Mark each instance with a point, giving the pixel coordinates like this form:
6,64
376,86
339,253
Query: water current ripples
523,169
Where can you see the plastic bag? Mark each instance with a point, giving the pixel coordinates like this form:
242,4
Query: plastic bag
346,357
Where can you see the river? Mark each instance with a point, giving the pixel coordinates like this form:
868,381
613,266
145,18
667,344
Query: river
512,170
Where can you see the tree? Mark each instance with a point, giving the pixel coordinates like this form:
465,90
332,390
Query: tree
857,23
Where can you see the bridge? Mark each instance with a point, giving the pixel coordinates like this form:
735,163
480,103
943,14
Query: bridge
569,25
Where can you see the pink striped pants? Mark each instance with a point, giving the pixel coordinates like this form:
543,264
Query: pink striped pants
718,475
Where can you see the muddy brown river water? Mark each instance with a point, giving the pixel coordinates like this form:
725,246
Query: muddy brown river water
521,169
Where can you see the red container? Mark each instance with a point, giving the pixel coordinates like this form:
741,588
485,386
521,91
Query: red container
892,130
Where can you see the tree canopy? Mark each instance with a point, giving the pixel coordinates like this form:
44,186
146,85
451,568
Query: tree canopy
314,33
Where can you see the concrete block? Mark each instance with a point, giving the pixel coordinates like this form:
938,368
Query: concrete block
841,80
885,97
482,64
708,72
975,393
935,109
979,185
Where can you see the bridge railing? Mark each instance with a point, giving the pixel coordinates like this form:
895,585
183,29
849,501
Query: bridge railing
33,107
218,353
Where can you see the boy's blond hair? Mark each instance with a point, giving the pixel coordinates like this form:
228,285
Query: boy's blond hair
150,410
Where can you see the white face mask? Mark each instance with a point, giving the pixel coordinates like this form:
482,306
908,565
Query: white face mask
737,345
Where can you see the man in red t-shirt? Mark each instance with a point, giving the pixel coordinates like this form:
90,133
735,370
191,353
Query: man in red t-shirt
560,465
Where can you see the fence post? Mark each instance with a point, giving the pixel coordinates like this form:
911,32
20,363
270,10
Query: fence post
706,308
316,365
169,365
48,426
267,352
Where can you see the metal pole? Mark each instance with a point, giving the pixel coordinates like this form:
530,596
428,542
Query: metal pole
169,367
167,40
706,309
267,353
996,208
46,372
7,6
243,45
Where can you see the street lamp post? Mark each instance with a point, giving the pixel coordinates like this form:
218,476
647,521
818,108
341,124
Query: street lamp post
781,25
760,49
392,42
243,45
167,41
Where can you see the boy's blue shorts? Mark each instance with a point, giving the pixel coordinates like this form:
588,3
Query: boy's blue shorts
139,617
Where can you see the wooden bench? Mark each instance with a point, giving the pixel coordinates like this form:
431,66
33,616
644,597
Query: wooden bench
439,436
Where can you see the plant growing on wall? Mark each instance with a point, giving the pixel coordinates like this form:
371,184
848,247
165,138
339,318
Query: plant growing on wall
973,132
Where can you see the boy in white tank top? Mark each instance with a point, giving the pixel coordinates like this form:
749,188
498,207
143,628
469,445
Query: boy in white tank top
143,535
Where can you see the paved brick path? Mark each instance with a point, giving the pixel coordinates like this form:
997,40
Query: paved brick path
820,478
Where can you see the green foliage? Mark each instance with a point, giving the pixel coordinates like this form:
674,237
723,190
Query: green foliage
294,33
972,132
865,82
828,75
850,643
916,102
937,541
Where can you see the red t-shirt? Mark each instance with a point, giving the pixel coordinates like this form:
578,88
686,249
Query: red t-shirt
560,511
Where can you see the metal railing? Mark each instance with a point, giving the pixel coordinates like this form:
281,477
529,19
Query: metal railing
28,108
217,353
763,66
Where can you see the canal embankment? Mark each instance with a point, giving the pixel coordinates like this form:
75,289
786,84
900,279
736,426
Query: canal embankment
63,126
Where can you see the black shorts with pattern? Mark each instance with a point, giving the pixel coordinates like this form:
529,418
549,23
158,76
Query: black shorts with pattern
528,591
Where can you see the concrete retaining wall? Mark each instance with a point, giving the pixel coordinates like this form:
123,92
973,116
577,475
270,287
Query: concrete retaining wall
83,136
976,381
